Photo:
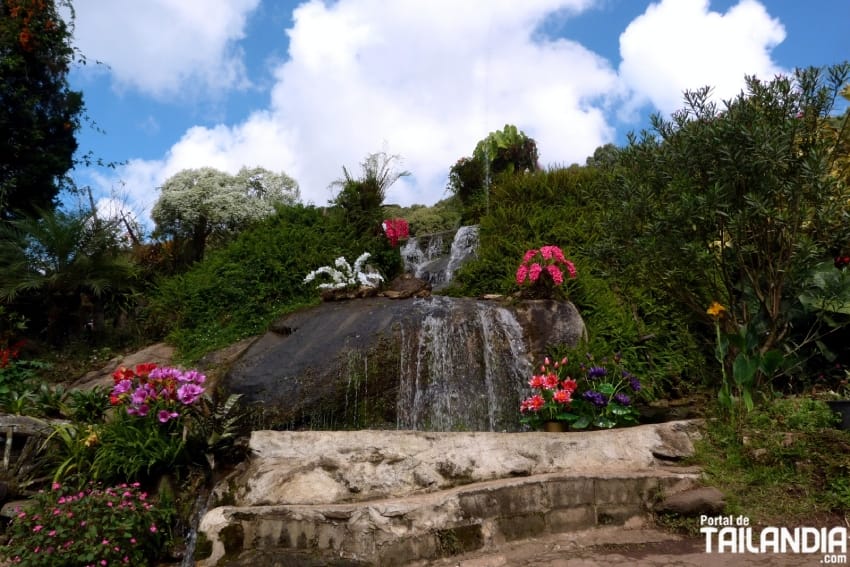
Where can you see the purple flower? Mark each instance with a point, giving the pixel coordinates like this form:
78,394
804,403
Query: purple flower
596,372
165,415
596,398
122,387
164,373
192,376
622,399
142,393
189,393
140,410
634,383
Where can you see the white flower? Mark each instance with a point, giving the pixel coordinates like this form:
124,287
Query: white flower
345,275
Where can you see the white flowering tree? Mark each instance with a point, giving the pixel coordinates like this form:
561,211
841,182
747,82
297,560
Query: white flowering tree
197,205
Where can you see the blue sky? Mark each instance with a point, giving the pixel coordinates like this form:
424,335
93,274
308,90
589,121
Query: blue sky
309,87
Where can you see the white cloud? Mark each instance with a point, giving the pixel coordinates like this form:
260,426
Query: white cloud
679,45
166,48
428,79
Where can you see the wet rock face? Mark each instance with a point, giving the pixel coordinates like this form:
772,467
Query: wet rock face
436,363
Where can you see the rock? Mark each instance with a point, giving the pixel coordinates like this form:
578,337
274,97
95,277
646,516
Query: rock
691,503
159,353
676,439
396,497
325,467
406,286
549,322
348,293
435,363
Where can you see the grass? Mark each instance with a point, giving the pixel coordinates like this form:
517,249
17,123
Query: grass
784,464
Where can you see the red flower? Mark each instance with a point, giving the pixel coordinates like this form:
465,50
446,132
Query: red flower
145,369
562,396
123,373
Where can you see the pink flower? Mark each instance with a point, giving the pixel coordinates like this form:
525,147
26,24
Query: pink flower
153,528
571,268
555,273
536,381
546,251
51,533
562,396
38,528
521,273
55,486
528,256
550,381
534,271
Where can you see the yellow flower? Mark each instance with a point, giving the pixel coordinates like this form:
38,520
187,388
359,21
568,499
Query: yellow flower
92,438
716,310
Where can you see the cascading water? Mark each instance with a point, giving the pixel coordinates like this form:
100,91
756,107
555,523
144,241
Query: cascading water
462,369
464,247
426,257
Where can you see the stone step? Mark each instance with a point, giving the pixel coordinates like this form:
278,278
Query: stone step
466,518
391,497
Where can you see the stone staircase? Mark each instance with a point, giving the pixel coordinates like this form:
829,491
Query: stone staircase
399,497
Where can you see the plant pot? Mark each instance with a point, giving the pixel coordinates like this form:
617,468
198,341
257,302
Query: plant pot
554,426
842,408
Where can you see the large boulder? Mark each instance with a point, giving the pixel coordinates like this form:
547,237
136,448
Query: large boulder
435,363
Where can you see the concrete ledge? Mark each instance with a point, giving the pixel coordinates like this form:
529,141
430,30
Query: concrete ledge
437,524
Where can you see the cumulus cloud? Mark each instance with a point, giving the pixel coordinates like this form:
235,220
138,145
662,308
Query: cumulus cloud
679,45
165,48
427,80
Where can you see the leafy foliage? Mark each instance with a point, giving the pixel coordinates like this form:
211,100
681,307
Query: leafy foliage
502,152
738,204
39,113
64,271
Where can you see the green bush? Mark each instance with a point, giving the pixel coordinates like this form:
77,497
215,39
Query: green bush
623,308
238,290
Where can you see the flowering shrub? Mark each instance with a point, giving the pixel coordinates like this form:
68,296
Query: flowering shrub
581,394
97,526
159,391
147,436
543,269
395,229
345,275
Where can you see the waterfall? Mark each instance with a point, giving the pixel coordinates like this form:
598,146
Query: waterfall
427,258
463,368
464,247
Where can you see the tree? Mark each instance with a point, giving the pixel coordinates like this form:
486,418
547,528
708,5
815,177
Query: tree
738,204
63,270
504,152
39,113
362,198
200,205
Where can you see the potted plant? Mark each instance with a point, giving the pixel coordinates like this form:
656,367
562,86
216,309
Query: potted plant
579,393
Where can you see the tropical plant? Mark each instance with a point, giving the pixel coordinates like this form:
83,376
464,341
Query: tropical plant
504,151
116,525
63,270
361,198
197,206
39,112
